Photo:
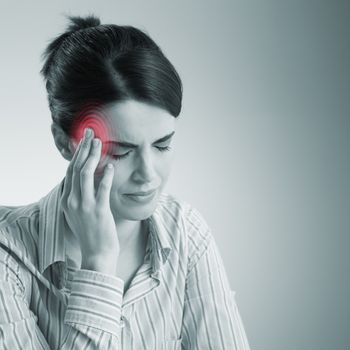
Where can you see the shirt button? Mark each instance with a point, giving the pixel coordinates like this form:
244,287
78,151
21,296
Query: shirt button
122,323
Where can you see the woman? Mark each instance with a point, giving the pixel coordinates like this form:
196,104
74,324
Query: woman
107,260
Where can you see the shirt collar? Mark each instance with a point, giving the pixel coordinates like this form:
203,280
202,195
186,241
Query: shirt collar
159,238
51,242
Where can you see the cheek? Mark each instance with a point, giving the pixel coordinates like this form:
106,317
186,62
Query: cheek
167,163
165,168
116,181
123,171
120,177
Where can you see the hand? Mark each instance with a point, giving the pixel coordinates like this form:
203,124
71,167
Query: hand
87,211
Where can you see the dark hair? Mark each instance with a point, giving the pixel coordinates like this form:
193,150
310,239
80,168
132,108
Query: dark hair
106,63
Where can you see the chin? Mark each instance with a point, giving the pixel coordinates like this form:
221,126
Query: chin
134,210
136,214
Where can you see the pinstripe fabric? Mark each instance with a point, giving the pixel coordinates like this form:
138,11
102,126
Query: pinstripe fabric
180,298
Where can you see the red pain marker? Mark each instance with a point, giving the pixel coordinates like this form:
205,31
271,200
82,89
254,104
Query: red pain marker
91,116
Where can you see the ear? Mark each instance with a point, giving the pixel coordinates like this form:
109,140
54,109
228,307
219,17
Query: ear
63,143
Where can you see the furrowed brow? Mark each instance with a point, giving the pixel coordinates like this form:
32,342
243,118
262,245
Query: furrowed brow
131,145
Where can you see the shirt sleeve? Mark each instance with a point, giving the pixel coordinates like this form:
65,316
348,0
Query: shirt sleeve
211,318
93,310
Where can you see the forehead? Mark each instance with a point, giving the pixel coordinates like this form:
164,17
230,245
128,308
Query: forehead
135,121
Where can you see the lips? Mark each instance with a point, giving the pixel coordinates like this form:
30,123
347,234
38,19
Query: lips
144,193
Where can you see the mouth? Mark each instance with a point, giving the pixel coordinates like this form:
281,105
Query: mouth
142,196
143,193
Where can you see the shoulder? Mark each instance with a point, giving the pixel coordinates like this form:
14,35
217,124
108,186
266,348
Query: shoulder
17,242
181,208
12,214
172,206
194,228
19,228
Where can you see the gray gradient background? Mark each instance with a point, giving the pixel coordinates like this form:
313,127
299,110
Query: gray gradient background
262,144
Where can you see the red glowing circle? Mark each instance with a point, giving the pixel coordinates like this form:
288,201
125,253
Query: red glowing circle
91,116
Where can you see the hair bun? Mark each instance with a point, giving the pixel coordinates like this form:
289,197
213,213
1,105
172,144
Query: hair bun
78,22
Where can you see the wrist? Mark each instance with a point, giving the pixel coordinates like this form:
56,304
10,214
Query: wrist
100,263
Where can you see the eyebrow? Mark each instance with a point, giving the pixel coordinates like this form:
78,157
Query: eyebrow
131,145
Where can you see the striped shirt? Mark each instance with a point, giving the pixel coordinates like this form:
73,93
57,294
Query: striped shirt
179,298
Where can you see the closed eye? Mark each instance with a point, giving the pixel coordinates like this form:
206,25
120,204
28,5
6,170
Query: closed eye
121,156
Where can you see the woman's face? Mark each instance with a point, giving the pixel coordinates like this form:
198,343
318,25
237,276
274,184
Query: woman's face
144,167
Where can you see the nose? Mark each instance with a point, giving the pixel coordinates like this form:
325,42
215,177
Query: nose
145,171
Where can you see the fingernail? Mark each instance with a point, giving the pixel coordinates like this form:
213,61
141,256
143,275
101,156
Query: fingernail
96,142
88,132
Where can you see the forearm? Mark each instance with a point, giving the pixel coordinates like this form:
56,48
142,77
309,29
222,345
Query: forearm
100,263
92,317
94,310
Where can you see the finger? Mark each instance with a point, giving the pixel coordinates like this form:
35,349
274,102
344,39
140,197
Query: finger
68,177
83,152
104,188
88,170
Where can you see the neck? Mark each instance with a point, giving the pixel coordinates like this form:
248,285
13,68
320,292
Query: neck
129,232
